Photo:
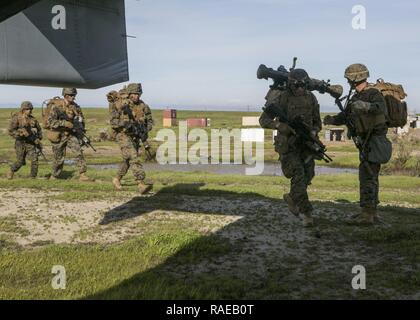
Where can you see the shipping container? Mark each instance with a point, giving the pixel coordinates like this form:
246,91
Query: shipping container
168,122
197,123
250,121
169,113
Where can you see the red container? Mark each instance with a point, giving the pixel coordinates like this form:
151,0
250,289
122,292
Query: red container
169,114
197,123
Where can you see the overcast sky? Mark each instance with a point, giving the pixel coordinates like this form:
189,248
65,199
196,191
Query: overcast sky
205,53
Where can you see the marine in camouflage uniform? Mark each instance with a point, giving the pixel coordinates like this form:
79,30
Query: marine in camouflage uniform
367,110
297,162
27,132
129,111
61,121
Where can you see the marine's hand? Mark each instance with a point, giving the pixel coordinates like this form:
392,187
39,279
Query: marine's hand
68,125
23,133
285,129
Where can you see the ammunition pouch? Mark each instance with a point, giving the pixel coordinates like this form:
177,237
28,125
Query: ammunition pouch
380,149
366,122
281,143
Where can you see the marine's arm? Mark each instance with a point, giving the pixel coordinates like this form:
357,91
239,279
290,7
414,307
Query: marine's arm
269,117
38,130
148,118
337,120
56,121
116,121
14,130
317,123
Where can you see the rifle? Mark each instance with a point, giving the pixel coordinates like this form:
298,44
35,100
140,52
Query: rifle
38,146
79,132
358,142
139,130
281,75
311,142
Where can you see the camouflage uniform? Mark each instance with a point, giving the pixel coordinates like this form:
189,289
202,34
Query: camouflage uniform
369,182
25,128
296,161
367,109
59,121
129,144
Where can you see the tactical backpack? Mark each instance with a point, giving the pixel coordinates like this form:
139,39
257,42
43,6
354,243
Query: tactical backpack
52,135
394,95
49,104
116,99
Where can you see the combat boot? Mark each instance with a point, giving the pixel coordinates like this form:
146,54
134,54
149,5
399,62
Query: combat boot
376,217
117,183
308,221
10,175
366,217
291,204
84,178
144,188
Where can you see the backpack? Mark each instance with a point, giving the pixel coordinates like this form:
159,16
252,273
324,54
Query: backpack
394,95
56,101
116,99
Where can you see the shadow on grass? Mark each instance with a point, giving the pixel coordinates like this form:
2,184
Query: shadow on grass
186,273
168,197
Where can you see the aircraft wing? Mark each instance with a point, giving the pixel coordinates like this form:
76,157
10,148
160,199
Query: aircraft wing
9,8
63,43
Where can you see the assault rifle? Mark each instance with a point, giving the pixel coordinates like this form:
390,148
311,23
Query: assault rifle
79,133
138,130
34,138
310,141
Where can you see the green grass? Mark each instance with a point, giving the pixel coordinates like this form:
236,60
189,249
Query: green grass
10,225
325,187
91,269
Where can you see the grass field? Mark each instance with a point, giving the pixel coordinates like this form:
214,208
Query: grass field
344,154
201,235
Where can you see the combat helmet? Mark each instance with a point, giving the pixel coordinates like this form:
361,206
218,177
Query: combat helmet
298,78
134,88
69,92
26,105
356,72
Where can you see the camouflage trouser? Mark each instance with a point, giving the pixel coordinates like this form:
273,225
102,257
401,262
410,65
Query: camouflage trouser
59,152
24,150
369,185
131,157
294,167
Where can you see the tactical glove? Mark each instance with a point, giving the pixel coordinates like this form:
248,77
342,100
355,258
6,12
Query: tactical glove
68,125
284,128
23,133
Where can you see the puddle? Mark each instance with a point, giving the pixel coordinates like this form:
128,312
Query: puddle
270,169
